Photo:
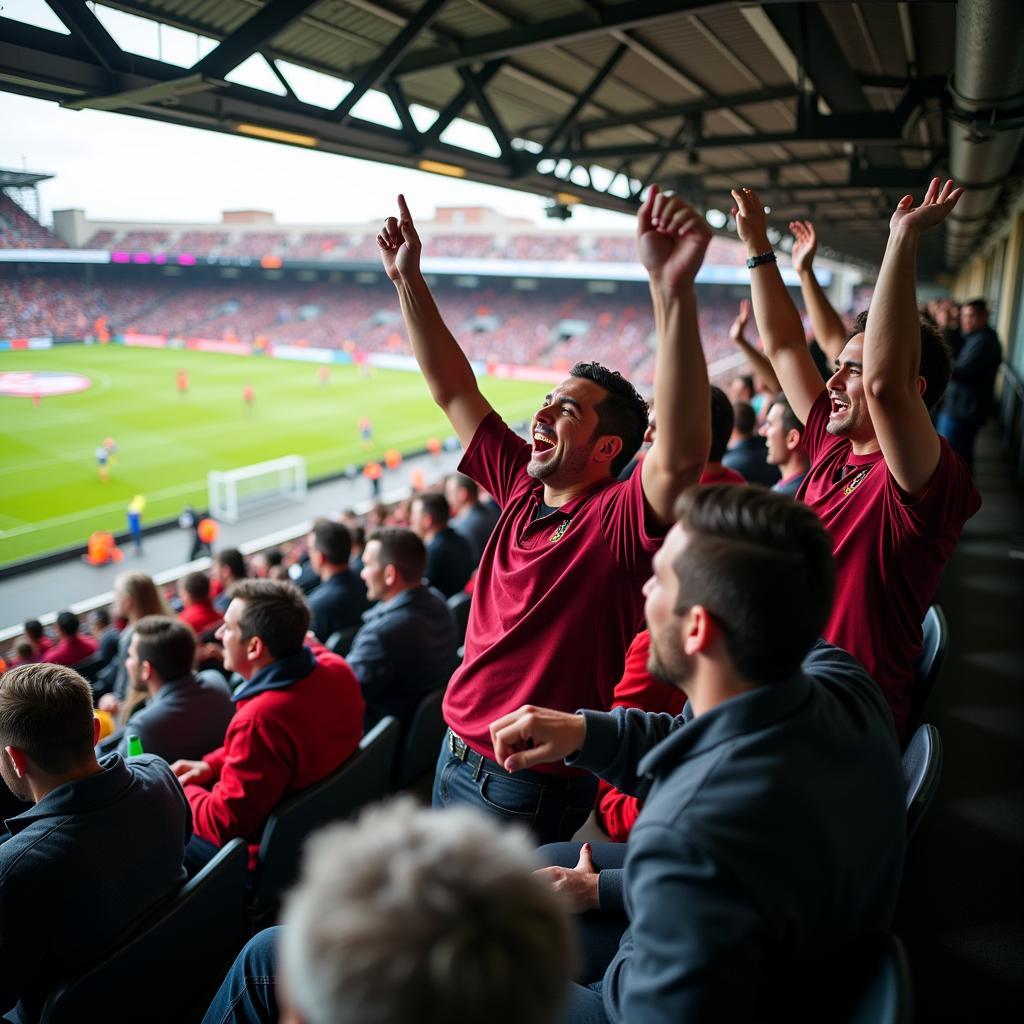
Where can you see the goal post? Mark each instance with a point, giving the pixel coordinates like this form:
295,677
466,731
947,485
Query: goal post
249,490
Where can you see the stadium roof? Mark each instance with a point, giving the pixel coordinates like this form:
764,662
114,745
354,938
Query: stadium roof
833,110
21,179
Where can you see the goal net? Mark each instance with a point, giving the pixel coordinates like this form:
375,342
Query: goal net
249,490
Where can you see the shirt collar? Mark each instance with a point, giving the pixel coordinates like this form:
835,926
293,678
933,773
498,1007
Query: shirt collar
739,716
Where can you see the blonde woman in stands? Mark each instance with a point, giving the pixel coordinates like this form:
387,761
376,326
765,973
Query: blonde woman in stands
135,596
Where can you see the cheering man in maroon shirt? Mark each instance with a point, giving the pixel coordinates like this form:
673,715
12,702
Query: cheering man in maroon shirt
558,595
892,493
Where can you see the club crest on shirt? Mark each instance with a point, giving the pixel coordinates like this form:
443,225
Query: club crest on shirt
855,482
560,530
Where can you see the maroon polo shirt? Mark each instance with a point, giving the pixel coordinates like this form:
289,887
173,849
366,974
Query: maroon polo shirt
557,600
889,550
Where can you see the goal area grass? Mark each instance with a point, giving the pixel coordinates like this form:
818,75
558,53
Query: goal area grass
53,495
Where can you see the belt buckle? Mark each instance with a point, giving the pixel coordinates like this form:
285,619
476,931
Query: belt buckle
458,747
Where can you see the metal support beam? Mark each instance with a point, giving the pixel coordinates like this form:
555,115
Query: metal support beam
87,29
458,102
270,20
489,114
807,33
399,102
681,109
584,98
391,55
285,84
553,32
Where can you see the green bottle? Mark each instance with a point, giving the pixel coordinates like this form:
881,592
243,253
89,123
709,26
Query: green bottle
134,745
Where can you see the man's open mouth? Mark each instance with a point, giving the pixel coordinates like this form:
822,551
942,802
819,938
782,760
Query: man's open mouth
839,404
542,443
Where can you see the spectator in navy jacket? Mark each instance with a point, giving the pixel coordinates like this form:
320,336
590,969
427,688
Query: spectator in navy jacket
340,600
747,454
61,905
470,516
407,645
450,560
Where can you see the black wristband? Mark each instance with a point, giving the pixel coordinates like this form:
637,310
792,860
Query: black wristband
764,257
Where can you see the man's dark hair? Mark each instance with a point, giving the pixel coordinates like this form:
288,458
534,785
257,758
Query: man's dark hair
275,611
748,382
402,549
197,586
231,559
34,630
746,418
978,305
333,541
67,623
358,534
167,644
623,413
275,556
101,618
936,358
722,420
46,711
789,418
761,564
467,484
436,506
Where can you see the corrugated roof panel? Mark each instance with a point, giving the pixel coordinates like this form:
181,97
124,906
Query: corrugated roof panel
736,33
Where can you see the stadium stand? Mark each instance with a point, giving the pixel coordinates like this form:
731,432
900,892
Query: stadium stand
20,231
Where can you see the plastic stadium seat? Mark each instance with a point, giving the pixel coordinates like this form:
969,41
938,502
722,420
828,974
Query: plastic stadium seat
340,642
426,730
459,604
935,644
885,995
922,767
171,957
362,779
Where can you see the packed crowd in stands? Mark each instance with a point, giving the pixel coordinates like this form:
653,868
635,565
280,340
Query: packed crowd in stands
777,668
553,326
20,231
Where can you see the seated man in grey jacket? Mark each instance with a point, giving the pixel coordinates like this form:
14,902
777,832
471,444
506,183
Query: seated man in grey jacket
770,843
187,713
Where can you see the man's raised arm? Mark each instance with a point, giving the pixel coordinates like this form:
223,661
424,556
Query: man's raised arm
672,238
449,376
827,324
778,321
892,346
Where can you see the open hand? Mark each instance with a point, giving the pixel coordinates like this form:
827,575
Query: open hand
577,886
399,244
805,244
672,238
936,206
751,225
739,325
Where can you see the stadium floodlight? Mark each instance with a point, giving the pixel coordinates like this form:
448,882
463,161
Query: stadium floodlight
248,490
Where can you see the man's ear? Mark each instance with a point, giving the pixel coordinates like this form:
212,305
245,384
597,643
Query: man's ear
922,386
18,759
256,649
700,631
390,575
792,440
607,448
95,730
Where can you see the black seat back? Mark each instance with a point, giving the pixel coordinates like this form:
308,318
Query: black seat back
922,769
362,779
426,730
170,957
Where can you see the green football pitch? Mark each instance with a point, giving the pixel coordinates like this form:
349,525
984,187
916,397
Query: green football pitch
52,495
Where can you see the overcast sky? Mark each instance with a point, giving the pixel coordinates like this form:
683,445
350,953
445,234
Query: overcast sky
118,167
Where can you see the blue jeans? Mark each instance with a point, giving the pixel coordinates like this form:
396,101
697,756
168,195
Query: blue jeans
584,1005
960,434
247,994
552,807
